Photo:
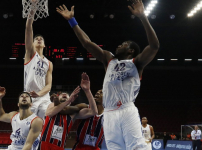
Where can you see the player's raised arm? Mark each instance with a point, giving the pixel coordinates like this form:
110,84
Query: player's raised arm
87,112
29,49
34,132
5,117
53,110
151,50
102,55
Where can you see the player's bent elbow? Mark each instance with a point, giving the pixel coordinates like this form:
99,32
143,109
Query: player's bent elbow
155,46
95,112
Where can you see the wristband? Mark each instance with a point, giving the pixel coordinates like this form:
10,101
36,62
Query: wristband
72,22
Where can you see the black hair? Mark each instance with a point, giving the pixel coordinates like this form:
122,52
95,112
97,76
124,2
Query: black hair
135,46
40,36
27,94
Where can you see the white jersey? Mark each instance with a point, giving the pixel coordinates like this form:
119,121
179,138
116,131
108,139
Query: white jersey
121,83
196,135
146,131
35,74
20,132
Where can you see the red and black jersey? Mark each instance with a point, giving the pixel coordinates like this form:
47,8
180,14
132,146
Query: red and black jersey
90,132
56,129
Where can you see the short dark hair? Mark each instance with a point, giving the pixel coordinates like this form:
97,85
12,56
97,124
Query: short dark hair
135,46
40,36
27,94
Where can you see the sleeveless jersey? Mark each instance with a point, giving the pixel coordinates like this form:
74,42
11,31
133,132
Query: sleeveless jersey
35,74
90,132
121,83
20,132
146,132
56,129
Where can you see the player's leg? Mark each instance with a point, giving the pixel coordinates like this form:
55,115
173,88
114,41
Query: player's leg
35,105
112,131
131,127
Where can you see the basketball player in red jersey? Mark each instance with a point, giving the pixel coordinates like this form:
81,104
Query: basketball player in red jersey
122,128
90,131
37,70
57,126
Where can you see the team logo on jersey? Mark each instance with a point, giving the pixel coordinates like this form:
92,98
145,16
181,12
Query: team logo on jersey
157,144
57,132
28,123
90,140
119,76
40,70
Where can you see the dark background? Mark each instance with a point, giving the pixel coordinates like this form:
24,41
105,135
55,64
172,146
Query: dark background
170,94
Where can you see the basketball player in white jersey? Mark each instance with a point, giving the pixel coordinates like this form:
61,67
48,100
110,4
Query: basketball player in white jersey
148,133
37,70
122,126
26,126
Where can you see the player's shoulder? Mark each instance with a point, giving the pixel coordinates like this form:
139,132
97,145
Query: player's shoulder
151,126
13,113
37,121
108,55
50,65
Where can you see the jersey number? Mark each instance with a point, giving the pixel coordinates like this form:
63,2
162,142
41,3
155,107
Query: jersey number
39,63
120,67
18,132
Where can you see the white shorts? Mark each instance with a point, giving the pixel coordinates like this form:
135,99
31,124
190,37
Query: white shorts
149,146
39,106
11,147
122,128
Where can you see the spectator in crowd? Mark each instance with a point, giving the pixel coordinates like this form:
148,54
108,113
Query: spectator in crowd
165,138
172,136
188,137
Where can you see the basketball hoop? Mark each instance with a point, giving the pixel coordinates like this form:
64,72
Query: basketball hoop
40,6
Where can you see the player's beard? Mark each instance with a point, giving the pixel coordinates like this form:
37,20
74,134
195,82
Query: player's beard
24,106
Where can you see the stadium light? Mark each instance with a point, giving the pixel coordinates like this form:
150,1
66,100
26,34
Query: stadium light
188,59
150,7
195,9
92,58
65,58
79,58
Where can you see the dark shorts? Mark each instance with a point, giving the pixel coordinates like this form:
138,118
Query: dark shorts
48,146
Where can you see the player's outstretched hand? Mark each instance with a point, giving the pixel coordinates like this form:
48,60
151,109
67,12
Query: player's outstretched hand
85,82
65,12
34,94
74,94
2,92
137,8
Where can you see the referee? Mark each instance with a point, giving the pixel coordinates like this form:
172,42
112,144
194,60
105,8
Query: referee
196,137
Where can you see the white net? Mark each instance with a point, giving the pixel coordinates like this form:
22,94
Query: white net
38,6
